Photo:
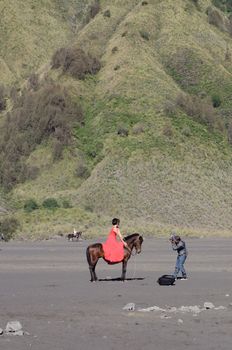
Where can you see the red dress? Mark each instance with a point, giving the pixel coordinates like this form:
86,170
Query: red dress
113,249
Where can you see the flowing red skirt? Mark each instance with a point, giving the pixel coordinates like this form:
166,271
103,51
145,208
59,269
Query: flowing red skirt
113,249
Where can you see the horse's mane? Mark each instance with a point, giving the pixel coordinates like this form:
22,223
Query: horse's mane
133,235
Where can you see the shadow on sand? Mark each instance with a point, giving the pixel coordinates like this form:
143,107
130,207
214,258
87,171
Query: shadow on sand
119,279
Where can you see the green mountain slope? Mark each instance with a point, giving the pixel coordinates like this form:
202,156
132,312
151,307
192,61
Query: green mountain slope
145,153
32,30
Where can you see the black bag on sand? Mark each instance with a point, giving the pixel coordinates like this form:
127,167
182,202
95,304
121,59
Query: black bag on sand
166,280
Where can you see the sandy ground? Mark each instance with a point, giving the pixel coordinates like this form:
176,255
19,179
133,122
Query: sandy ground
45,285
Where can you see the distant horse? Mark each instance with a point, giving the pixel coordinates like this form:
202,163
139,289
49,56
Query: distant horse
95,251
75,235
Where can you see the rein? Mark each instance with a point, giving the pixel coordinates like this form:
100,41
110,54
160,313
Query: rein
133,253
130,250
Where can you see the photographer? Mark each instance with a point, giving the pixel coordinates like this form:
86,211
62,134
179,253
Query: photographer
180,247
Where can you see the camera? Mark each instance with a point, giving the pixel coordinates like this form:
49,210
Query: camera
173,238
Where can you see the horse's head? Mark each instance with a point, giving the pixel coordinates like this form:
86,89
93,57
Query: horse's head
135,241
138,244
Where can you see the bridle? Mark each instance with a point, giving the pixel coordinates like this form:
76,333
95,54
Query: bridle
134,247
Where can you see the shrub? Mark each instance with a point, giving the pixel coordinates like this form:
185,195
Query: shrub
144,35
199,109
94,9
185,66
50,203
8,227
229,133
30,205
227,54
75,62
31,172
117,67
224,5
36,116
33,81
11,172
2,98
170,108
137,129
220,125
196,3
58,58
89,207
122,131
95,150
215,18
114,49
167,130
57,150
186,131
49,111
82,171
216,100
107,13
14,94
66,204
144,3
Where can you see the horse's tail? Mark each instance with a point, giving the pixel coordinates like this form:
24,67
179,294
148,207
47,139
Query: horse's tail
88,256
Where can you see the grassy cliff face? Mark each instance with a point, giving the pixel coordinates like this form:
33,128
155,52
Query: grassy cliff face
32,30
141,155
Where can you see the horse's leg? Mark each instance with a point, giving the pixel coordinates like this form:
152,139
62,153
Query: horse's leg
93,271
91,274
92,261
93,254
124,265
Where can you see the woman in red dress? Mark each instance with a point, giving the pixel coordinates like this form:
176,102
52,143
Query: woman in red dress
113,248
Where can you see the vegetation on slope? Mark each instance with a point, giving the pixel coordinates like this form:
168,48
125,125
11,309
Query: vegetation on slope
154,145
32,29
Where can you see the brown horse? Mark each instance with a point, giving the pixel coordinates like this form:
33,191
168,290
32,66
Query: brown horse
95,251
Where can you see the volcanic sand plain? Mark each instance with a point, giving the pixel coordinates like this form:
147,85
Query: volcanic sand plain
45,285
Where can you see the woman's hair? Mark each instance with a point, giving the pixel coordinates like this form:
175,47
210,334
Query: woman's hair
115,221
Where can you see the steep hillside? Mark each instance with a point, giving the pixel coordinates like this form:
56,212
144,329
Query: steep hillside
155,145
32,30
